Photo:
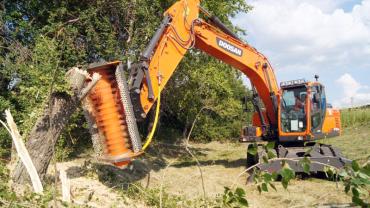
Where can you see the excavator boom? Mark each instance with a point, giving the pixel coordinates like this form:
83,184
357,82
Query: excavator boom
181,30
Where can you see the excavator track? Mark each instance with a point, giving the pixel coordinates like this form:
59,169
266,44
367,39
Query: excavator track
320,156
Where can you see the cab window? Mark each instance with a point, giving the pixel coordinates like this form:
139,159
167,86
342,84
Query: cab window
318,106
293,109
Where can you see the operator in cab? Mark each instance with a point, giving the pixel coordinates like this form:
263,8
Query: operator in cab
299,102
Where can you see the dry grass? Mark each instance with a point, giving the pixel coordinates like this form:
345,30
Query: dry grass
354,143
221,164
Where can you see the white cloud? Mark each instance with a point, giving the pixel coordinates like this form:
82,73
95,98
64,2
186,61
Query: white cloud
353,92
349,84
309,34
327,5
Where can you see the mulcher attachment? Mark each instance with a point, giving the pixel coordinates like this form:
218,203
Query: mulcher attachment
320,156
113,113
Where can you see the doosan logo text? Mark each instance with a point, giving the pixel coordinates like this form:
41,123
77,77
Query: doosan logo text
229,47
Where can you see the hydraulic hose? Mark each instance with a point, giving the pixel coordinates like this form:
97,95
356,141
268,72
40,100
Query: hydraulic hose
151,134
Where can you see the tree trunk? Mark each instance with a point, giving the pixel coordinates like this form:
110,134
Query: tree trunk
44,135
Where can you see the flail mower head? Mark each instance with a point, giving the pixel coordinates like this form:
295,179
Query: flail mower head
113,113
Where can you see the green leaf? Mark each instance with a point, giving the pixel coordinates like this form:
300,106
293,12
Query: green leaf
264,187
224,198
355,166
243,202
230,194
357,181
285,184
306,168
271,154
326,169
240,192
347,188
358,201
355,192
329,172
343,174
270,145
287,173
366,169
252,149
363,176
305,163
267,177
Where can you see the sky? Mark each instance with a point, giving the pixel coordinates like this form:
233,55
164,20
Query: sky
302,38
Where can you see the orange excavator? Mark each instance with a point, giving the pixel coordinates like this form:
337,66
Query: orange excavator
291,116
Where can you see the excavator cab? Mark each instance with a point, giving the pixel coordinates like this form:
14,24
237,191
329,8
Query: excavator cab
304,116
304,113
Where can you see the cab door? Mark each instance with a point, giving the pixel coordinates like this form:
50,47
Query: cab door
317,110
293,116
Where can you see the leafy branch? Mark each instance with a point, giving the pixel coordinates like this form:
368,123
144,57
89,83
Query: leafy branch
356,180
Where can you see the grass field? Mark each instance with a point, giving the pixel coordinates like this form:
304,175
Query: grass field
355,139
354,143
353,117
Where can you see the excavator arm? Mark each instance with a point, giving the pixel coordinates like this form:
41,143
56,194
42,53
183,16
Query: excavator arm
181,30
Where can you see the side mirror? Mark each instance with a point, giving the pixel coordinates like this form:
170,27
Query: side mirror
316,98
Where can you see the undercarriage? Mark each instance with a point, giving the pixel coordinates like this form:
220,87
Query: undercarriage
320,156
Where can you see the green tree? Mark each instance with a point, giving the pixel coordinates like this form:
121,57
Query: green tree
202,82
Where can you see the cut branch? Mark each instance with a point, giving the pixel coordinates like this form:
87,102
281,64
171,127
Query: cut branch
22,152
192,155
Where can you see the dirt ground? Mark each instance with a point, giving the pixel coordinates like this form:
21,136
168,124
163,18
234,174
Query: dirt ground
91,184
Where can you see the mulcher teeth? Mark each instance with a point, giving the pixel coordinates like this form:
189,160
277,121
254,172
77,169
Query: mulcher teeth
114,115
127,105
